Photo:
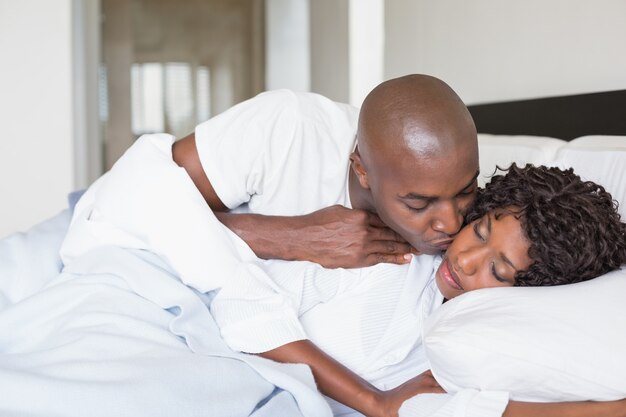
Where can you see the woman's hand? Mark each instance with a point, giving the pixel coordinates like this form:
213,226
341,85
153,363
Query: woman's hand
389,402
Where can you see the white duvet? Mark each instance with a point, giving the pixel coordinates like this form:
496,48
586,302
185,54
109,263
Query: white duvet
116,334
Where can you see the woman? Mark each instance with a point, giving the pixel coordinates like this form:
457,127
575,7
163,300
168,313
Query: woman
533,226
566,230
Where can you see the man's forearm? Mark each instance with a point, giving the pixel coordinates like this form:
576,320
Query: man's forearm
270,237
333,237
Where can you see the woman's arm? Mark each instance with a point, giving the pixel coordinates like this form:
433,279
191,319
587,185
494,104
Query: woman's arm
566,409
332,237
343,385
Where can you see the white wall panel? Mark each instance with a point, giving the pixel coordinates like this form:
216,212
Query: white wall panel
495,50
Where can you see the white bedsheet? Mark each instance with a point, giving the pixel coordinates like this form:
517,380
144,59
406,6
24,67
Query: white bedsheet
117,334
30,259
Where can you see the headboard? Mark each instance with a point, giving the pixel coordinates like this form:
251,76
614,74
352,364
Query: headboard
564,117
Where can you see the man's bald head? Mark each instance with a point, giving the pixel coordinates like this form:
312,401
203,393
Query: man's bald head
416,113
417,160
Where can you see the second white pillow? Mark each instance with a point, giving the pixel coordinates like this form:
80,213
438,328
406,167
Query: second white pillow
563,343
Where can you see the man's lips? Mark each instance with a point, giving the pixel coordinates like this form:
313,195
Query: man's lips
449,276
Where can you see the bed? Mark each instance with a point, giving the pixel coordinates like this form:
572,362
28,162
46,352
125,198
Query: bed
165,356
564,342
537,130
565,117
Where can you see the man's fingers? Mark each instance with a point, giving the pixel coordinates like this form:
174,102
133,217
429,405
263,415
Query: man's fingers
389,247
386,258
381,231
385,233
374,220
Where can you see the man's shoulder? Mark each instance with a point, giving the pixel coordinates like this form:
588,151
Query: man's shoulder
305,102
285,108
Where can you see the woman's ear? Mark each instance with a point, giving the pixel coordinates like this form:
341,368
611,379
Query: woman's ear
359,169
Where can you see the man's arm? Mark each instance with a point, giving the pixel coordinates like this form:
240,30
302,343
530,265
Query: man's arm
333,237
343,385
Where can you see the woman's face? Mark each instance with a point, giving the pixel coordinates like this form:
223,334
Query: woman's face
486,253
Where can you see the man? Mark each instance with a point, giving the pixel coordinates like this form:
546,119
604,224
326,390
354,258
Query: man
296,177
270,167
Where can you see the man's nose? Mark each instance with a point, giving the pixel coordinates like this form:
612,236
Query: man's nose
449,218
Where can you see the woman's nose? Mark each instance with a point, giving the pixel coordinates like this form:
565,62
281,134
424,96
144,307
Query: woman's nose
469,260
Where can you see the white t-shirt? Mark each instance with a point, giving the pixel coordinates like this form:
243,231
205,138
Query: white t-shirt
280,153
348,312
369,319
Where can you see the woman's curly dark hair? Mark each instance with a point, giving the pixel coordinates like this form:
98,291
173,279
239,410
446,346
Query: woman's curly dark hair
573,226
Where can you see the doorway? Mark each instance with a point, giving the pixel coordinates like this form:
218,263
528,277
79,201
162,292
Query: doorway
167,66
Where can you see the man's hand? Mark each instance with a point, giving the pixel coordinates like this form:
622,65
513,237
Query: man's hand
337,237
334,237
391,401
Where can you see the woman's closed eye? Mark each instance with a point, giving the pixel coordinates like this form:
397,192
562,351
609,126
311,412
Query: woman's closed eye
495,273
483,238
478,233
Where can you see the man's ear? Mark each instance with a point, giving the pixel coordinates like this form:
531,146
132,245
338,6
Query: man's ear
359,169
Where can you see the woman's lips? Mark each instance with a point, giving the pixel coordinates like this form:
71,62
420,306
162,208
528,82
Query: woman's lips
448,276
441,245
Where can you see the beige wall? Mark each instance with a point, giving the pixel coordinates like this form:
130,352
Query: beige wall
225,36
287,48
346,47
36,148
367,47
494,50
330,53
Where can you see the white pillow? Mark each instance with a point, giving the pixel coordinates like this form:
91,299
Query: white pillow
502,150
561,343
601,159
